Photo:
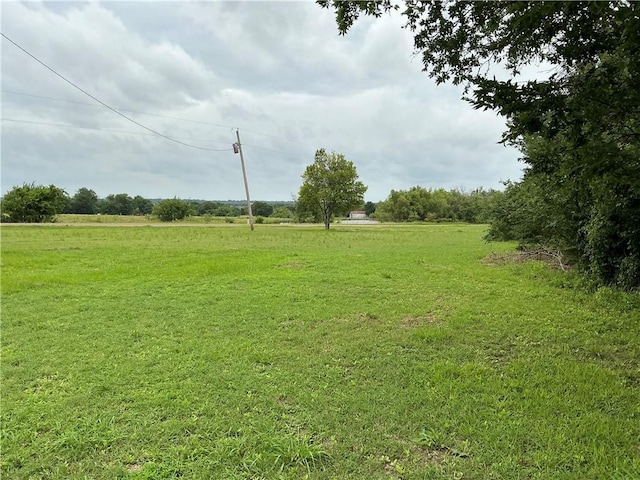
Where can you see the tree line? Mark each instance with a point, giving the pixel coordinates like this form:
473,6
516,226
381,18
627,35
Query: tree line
31,203
86,201
419,204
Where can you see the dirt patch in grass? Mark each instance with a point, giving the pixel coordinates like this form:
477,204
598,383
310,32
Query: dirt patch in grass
293,265
432,457
134,467
410,321
370,317
551,258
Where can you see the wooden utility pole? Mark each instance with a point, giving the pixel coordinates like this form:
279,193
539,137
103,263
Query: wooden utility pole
244,175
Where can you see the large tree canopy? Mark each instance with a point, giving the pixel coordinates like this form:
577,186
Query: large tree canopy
579,128
330,187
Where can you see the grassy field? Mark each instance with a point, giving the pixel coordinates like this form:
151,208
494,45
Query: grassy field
406,352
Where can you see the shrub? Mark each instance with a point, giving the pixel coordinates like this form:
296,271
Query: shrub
171,210
32,203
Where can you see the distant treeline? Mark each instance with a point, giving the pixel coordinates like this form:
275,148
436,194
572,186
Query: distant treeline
31,203
86,201
418,204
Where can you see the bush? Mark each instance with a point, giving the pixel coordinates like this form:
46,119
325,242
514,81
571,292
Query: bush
612,237
262,209
593,225
282,212
32,203
173,209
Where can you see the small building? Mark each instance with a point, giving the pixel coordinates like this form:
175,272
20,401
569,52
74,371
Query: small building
357,215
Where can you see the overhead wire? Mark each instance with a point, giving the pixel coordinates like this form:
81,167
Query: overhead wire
121,109
119,112
143,113
279,137
49,124
108,106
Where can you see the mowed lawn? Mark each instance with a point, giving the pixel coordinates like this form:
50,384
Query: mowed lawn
374,352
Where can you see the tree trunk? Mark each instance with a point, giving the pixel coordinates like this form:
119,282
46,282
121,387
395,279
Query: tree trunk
326,216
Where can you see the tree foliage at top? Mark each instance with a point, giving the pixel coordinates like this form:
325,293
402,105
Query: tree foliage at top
330,187
33,203
579,129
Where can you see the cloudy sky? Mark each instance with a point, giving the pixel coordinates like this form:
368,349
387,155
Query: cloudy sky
193,71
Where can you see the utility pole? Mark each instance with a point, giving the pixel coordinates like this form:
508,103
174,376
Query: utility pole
237,148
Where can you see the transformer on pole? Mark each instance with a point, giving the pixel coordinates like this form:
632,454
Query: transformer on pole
237,148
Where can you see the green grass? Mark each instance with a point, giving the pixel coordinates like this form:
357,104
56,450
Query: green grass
293,352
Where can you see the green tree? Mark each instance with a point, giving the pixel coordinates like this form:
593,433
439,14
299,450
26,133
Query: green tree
32,203
479,205
262,209
85,201
206,208
282,212
141,205
119,204
369,208
228,211
437,206
579,128
172,209
421,204
407,205
330,187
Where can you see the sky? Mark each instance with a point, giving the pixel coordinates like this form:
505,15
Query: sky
279,72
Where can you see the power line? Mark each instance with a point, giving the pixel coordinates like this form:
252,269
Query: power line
66,125
143,113
125,132
110,130
121,109
158,115
104,104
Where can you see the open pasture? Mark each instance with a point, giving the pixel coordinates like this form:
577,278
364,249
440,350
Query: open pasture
293,352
